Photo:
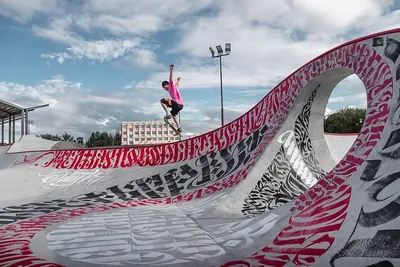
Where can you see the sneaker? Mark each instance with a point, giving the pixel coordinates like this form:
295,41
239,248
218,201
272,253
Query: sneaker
179,129
167,117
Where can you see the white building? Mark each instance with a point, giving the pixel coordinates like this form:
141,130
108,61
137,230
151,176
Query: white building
146,133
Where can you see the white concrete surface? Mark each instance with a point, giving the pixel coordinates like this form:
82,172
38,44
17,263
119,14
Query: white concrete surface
339,144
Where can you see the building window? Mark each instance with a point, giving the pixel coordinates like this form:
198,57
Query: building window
136,139
154,138
148,138
153,132
124,133
171,132
147,132
130,136
165,132
125,139
176,138
147,126
159,132
165,138
143,139
159,138
142,132
130,142
137,132
171,138
136,126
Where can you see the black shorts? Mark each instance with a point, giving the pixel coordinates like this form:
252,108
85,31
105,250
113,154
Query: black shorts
172,104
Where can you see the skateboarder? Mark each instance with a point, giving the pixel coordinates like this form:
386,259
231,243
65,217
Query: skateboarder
176,103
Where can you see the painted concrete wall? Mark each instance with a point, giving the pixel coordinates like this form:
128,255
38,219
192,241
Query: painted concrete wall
339,144
264,190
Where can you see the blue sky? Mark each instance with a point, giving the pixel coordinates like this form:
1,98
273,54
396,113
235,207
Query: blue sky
99,62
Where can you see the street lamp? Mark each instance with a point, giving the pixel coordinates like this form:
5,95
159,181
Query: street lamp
220,55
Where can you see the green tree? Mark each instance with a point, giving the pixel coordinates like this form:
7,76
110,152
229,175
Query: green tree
98,139
346,120
79,140
117,139
67,137
50,137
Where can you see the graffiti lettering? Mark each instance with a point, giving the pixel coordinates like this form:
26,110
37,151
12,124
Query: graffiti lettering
379,77
207,169
386,242
292,171
295,158
64,178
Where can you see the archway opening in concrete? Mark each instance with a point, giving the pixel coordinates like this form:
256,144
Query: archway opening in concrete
344,115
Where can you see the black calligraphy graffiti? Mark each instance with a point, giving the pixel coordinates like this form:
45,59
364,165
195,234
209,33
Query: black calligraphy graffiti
392,49
398,73
186,178
302,136
278,185
376,233
292,171
381,264
391,148
377,41
386,242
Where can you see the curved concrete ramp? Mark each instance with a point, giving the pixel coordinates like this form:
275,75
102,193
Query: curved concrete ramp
339,144
262,191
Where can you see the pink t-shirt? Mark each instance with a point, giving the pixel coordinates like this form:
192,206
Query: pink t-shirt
174,92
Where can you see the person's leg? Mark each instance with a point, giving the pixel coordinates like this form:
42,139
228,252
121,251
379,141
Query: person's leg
174,117
166,103
174,112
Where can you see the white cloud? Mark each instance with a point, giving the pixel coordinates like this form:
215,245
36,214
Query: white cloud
139,24
138,17
22,10
270,39
140,58
329,111
350,91
349,98
59,31
75,110
332,15
102,50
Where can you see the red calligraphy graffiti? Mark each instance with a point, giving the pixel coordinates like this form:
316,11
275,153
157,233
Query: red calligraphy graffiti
320,212
316,215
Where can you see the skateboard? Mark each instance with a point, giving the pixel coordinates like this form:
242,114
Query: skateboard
173,128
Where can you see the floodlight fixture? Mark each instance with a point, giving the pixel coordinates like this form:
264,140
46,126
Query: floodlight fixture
212,51
228,48
219,49
221,53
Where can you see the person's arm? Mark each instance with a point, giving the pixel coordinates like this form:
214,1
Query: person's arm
178,81
171,70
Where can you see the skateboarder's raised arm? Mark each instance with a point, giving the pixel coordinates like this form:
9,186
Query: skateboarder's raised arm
171,70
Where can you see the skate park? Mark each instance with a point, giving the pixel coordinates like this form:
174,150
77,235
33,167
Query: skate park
267,189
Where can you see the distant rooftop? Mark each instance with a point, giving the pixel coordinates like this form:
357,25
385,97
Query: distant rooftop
7,109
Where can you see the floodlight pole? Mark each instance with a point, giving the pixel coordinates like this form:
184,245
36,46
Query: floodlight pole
220,55
180,137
